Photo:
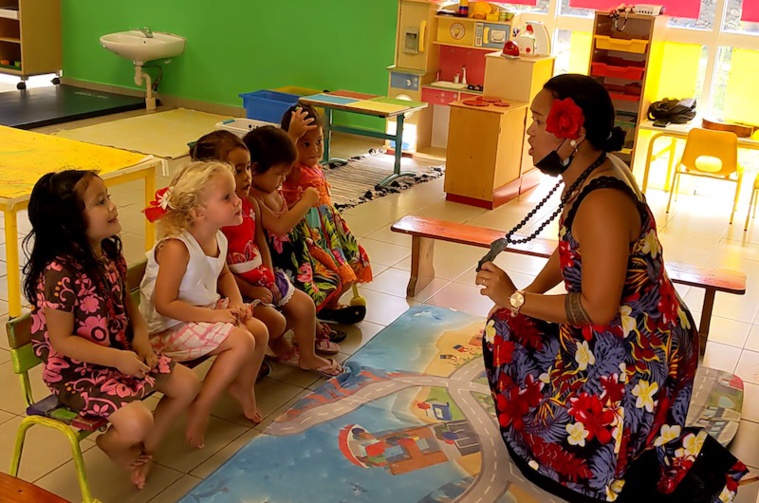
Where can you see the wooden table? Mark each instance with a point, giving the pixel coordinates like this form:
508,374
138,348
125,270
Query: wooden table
26,156
365,104
15,490
676,132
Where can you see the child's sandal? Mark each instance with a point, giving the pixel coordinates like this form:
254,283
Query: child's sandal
324,331
333,369
348,315
290,358
326,347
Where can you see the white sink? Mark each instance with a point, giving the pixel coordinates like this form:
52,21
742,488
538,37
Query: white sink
138,47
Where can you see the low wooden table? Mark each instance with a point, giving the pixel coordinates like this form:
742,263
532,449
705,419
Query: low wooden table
365,104
15,490
26,156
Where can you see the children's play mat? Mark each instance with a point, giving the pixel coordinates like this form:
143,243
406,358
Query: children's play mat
412,422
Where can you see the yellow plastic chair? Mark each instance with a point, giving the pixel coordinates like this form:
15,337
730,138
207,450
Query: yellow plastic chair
752,202
48,412
710,154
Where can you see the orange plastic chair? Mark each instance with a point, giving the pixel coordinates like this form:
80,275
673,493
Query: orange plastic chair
710,154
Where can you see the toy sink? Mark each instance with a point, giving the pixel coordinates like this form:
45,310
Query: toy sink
448,85
135,45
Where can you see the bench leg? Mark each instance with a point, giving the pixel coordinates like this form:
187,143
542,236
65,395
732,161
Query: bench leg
422,267
706,319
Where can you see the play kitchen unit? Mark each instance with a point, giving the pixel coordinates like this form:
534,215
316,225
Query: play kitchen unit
478,97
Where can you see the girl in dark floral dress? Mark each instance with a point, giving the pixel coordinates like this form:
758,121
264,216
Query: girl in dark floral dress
592,387
89,334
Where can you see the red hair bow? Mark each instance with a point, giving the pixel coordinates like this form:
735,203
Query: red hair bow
565,119
158,206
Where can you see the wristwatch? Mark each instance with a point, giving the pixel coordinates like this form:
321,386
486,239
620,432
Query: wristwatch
516,301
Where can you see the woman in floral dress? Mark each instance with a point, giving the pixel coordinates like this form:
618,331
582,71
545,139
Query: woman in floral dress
592,387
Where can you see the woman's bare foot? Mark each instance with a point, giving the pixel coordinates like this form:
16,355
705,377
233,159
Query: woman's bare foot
247,400
127,458
140,474
197,423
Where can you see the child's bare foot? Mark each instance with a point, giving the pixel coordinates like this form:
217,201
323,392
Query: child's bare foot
140,474
127,458
197,423
247,400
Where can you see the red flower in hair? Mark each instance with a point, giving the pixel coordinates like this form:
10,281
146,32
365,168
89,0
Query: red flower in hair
158,206
565,119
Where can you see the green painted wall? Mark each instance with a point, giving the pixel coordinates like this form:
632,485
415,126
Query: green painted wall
236,46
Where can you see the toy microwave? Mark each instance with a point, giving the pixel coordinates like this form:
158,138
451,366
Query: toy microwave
491,35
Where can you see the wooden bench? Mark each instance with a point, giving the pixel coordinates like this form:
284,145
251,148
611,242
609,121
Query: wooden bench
425,231
15,490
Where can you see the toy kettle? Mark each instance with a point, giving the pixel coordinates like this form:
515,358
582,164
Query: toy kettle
534,40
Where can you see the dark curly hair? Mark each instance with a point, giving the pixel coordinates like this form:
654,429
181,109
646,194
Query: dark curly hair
596,105
311,113
59,229
269,146
215,145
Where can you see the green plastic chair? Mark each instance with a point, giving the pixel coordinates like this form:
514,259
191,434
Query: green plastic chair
48,412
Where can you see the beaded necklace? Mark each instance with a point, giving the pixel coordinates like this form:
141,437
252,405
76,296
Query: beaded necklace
564,200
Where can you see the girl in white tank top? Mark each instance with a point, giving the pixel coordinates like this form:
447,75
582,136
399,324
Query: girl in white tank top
180,292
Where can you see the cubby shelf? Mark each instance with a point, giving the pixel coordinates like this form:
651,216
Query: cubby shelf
626,58
30,34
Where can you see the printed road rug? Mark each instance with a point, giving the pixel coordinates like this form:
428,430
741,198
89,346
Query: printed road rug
355,182
406,425
412,422
163,134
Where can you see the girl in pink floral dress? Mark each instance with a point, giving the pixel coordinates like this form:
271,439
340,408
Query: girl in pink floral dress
89,334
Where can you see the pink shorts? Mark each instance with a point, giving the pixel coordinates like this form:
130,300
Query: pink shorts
188,341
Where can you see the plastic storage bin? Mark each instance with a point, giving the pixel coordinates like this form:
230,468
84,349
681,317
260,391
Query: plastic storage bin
620,72
240,127
267,106
298,91
634,45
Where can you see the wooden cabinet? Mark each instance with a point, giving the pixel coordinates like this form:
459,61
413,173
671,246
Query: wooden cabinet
484,157
626,57
30,38
516,79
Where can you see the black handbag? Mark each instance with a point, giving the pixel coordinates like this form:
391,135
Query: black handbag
672,111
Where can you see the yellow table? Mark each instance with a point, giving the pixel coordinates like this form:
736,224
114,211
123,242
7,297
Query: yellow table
26,156
676,132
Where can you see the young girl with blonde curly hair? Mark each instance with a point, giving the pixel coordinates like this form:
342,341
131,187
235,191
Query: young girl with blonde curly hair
187,318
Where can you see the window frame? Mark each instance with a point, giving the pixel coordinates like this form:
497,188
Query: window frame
712,38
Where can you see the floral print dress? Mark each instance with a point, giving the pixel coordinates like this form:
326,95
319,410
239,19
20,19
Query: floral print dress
578,406
320,255
88,388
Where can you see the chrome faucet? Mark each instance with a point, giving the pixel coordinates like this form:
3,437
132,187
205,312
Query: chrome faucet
146,31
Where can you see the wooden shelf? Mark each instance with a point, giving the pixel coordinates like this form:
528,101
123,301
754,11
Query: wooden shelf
473,20
639,55
30,32
462,46
6,13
